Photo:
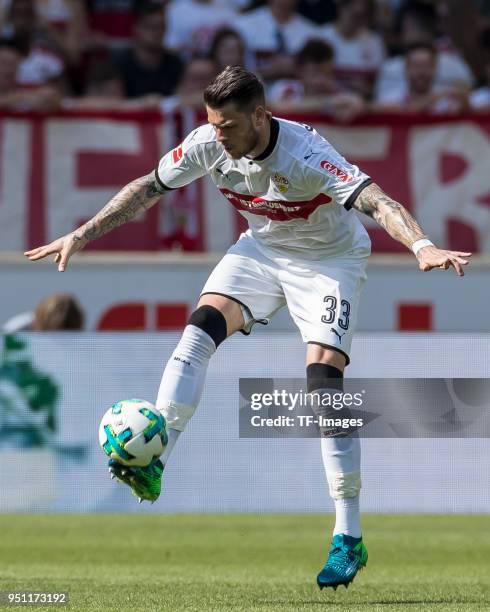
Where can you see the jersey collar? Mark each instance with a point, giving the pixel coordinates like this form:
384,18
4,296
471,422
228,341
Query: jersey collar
272,141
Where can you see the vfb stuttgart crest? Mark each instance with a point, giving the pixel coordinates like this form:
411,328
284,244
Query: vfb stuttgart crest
281,182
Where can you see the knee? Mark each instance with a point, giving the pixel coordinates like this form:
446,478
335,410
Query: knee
325,384
211,321
324,376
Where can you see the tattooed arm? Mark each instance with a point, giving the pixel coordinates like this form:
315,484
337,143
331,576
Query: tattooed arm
401,226
138,196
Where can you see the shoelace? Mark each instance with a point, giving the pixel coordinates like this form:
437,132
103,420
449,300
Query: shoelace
341,561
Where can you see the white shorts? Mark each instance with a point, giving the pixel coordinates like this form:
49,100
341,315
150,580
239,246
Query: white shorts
322,296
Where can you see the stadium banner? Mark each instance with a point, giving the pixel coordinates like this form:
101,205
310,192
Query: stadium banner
54,389
57,171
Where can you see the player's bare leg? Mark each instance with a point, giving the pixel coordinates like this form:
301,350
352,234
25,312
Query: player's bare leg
215,318
341,458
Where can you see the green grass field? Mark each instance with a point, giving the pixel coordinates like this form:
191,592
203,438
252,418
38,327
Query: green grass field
147,563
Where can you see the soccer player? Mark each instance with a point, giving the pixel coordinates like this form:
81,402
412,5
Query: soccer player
305,247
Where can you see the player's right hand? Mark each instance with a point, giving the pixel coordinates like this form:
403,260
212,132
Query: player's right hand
63,248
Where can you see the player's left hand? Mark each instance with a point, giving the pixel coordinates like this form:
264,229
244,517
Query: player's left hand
431,257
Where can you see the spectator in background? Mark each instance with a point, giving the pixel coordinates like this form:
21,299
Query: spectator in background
315,87
67,22
104,81
421,95
459,26
198,73
192,25
359,52
227,49
56,312
147,67
10,58
13,97
274,33
235,5
318,11
105,89
418,24
111,22
480,98
383,21
43,62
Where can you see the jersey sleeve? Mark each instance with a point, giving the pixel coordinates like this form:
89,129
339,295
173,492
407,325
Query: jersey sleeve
182,165
335,176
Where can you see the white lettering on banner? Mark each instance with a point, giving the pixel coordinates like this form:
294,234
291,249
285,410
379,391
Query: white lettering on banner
438,170
15,152
67,202
436,201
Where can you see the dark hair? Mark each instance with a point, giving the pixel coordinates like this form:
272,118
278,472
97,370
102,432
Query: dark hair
147,7
14,44
420,46
218,38
315,50
424,14
58,312
485,38
340,4
237,85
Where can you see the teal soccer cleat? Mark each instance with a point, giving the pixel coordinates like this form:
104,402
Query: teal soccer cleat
347,556
145,482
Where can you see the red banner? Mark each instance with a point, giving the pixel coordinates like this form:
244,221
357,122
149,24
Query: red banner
57,171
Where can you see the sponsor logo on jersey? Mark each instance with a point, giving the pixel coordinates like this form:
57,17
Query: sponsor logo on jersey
337,172
277,210
177,154
280,181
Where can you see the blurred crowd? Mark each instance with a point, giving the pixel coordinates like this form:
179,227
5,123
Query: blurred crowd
343,57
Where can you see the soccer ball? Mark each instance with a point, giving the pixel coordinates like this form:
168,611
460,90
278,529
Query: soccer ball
133,432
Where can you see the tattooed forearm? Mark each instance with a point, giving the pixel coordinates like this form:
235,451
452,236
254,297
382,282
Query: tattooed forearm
138,196
391,215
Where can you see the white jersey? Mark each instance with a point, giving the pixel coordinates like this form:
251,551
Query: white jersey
296,196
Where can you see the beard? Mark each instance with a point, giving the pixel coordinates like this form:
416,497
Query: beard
246,148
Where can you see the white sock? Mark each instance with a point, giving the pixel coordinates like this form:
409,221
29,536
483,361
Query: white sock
342,462
183,381
347,516
173,436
